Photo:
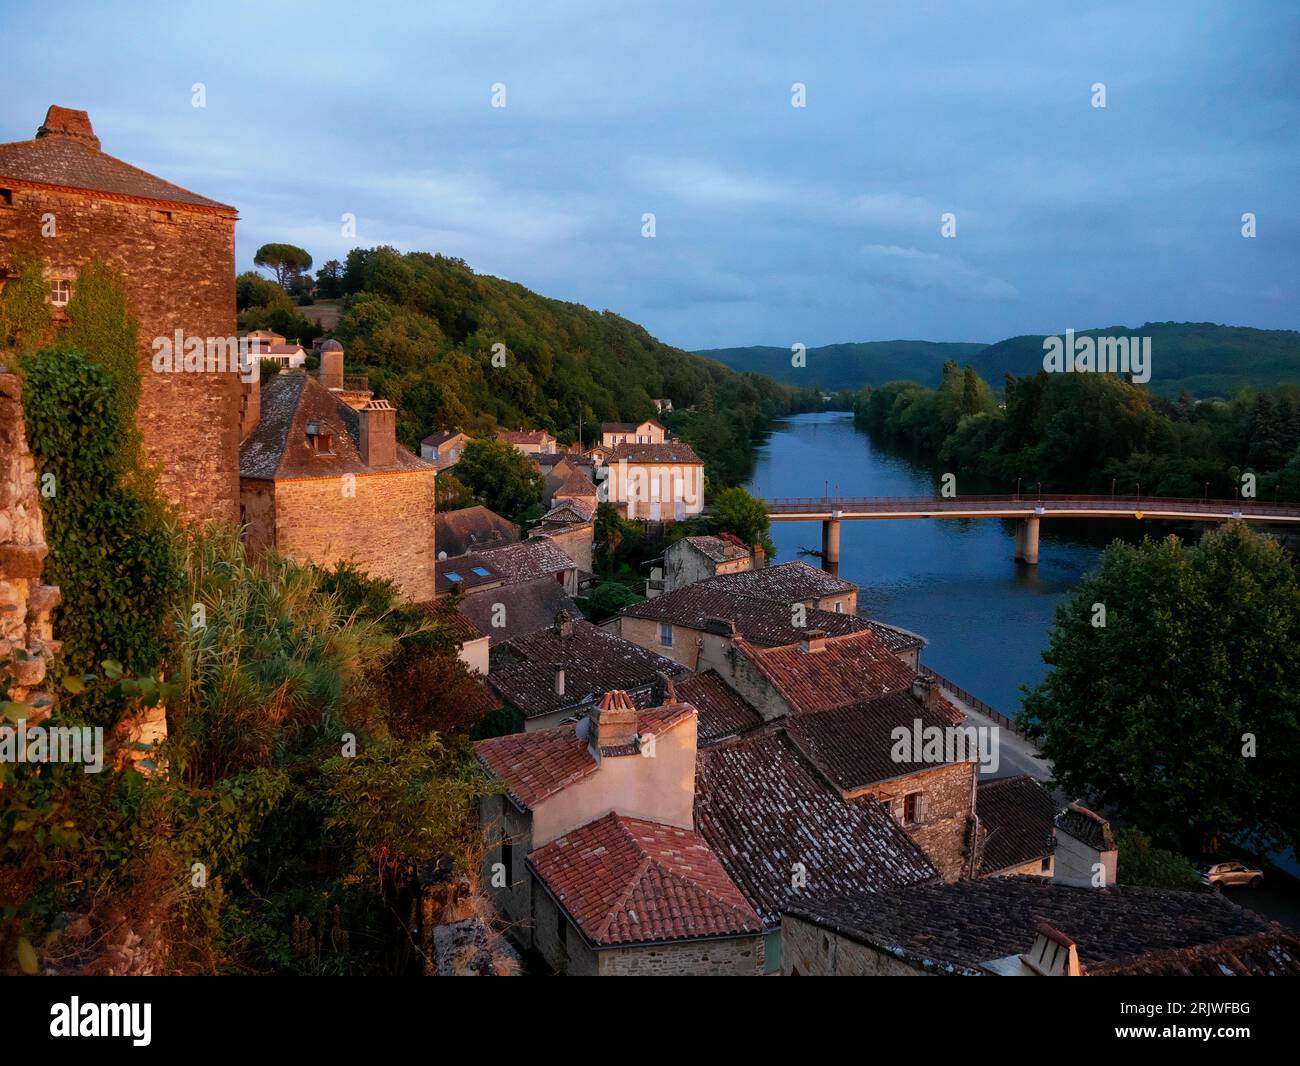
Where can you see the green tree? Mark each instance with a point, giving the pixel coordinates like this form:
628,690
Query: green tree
329,280
500,477
736,512
1141,863
610,597
1182,710
286,261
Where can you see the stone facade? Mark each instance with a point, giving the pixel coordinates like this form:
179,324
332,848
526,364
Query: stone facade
25,602
808,950
945,821
385,529
177,261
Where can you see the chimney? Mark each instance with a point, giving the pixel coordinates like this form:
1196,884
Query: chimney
617,725
559,680
378,433
760,558
74,125
252,406
926,692
331,365
814,640
564,624
1053,954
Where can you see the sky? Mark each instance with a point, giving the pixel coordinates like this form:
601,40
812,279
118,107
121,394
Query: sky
773,224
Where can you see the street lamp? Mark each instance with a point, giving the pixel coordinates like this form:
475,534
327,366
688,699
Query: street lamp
1040,490
1017,488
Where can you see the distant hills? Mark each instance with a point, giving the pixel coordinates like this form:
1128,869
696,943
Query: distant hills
1203,358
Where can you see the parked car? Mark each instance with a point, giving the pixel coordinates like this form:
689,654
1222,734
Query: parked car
1232,873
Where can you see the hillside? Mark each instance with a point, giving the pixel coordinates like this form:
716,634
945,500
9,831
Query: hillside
449,347
1202,358
834,367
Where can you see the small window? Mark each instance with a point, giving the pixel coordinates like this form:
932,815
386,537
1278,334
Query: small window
839,607
1047,865
60,292
453,576
163,216
507,859
666,634
6,197
913,808
481,571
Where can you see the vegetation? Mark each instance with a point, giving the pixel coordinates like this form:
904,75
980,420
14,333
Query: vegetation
1141,863
736,512
286,261
1174,693
501,478
847,368
263,304
1093,433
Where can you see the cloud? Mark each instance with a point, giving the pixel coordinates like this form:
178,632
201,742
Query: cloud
910,268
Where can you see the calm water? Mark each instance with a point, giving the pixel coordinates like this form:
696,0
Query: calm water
954,581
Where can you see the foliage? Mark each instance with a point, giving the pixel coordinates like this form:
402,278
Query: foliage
1183,709
286,261
329,280
25,321
451,493
1141,863
500,477
608,598
736,512
263,304
110,551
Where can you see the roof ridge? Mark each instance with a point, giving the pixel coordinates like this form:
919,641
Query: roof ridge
642,867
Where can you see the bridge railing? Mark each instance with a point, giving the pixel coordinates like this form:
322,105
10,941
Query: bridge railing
1054,501
979,705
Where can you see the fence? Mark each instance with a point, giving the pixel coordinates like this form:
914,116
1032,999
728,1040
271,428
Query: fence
973,700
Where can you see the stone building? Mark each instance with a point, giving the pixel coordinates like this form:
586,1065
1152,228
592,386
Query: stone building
67,202
660,482
323,483
1016,816
697,558
593,856
444,448
647,432
1030,926
531,442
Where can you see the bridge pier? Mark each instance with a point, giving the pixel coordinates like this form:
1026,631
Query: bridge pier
1027,541
831,545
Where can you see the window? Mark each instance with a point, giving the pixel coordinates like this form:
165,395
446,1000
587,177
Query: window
839,607
913,808
60,291
163,216
507,859
6,197
1047,865
666,634
453,576
481,571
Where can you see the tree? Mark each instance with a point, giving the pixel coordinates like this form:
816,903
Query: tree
1174,695
286,261
1140,863
736,512
501,477
329,280
610,597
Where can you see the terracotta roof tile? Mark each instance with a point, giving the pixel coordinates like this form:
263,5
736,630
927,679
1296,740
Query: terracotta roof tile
472,529
723,549
792,582
537,765
628,881
850,669
668,452
1017,814
723,713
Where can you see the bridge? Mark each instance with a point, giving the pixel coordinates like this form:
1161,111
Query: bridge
1029,508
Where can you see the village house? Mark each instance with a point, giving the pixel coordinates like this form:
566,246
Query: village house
1030,926
658,482
571,526
470,529
696,558
593,857
324,483
1017,832
647,432
271,347
531,442
509,564
793,583
1085,846
509,611
556,672
444,448
68,203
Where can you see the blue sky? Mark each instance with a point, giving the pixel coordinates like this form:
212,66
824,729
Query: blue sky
774,224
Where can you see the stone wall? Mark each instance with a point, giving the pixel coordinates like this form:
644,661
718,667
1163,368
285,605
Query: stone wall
808,950
25,602
941,833
386,529
645,632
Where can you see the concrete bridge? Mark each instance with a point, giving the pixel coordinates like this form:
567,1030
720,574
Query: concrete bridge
1029,508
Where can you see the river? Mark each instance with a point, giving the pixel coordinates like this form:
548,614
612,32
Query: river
954,581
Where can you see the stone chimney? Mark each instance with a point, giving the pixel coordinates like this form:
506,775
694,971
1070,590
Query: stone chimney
73,125
564,624
759,558
252,412
814,640
559,680
378,433
331,365
926,692
616,725
1053,953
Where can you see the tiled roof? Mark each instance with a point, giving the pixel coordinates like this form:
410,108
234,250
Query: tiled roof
568,512
527,606
594,662
1017,814
628,881
470,529
852,669
668,452
724,549
792,582
701,605
458,574
723,713
786,837
65,154
524,436
537,765
1272,954
278,448
1085,825
527,560
952,928
576,483
617,427
852,745
460,627
437,440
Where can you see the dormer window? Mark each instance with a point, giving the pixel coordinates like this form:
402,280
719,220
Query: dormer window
320,439
60,291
